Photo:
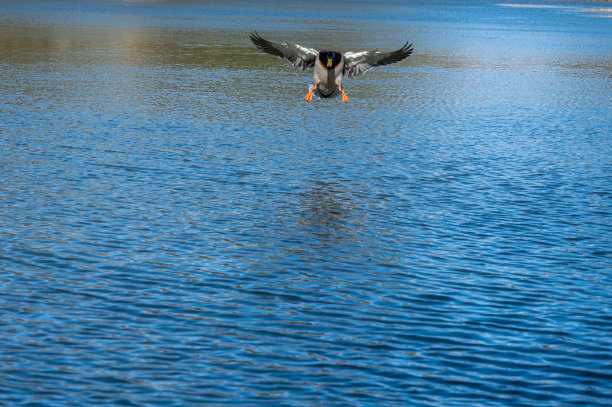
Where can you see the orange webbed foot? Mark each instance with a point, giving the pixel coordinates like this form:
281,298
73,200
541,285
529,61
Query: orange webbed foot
344,97
308,96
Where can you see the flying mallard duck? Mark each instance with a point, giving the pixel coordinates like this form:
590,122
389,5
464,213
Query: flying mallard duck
332,66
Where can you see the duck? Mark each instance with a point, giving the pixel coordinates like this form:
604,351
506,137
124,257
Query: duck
330,67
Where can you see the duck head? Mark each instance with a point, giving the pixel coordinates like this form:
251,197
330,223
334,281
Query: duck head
330,59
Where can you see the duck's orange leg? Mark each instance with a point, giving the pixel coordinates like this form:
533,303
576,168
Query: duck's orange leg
308,96
344,97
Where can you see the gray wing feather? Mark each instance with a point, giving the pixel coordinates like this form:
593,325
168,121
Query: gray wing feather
357,63
301,57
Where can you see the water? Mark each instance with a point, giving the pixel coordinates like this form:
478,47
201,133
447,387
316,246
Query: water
179,228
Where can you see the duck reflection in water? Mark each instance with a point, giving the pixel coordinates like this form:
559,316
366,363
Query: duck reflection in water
330,213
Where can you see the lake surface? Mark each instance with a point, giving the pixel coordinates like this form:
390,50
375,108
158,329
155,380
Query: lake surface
178,227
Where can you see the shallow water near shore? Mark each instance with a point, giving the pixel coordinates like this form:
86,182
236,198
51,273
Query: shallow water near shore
178,227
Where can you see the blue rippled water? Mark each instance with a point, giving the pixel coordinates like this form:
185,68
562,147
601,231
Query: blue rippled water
179,228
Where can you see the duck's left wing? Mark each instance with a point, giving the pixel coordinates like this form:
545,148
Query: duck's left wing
301,57
357,63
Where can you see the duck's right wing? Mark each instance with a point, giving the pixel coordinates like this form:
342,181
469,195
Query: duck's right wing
357,63
301,57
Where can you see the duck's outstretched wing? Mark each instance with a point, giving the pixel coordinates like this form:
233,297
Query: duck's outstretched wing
301,57
356,63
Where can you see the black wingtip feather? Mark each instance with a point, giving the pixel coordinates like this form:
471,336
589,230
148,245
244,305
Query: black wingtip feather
265,45
396,56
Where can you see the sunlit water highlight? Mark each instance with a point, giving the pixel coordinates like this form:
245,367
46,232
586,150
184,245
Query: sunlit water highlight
179,228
